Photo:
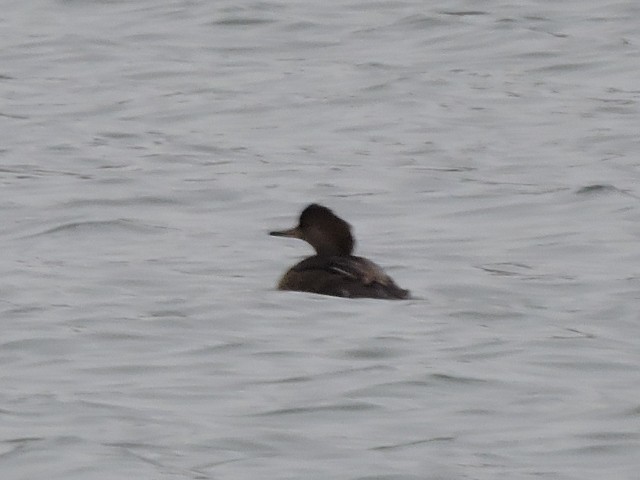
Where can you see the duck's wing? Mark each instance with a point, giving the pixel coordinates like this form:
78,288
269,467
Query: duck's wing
349,267
349,276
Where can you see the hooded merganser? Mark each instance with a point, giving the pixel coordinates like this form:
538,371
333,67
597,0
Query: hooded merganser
334,270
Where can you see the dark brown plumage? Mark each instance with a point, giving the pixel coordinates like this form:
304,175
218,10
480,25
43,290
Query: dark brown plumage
334,270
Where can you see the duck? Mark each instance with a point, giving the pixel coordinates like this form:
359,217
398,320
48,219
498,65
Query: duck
334,270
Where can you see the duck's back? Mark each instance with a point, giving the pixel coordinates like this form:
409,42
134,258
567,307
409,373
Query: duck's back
342,276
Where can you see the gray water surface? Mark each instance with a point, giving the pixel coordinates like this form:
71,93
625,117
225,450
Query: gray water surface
486,154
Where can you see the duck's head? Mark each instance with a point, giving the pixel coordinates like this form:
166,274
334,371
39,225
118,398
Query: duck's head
327,233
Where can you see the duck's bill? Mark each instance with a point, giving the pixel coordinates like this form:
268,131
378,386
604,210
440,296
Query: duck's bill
292,232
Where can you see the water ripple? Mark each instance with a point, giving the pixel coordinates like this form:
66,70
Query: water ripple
96,226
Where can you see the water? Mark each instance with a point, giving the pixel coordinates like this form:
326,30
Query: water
486,154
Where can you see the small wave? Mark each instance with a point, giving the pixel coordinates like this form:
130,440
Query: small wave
237,21
464,13
443,377
13,116
360,406
151,200
596,188
413,443
421,21
603,188
507,269
95,225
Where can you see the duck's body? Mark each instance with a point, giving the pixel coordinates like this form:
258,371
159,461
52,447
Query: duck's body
334,270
